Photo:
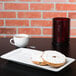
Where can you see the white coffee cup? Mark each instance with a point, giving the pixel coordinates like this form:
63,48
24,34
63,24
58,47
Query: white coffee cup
20,40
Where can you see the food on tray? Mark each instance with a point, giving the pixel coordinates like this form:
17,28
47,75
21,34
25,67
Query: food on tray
37,59
54,58
48,57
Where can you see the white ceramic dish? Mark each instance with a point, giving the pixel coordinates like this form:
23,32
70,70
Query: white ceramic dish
23,55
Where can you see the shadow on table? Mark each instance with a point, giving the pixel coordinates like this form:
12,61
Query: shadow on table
13,69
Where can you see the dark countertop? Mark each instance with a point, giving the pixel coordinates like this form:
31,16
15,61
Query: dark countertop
8,68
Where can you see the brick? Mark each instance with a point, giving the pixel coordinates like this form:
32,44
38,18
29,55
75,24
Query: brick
7,14
32,31
17,23
1,36
7,30
73,23
73,32
72,0
8,36
54,14
31,0
66,6
47,31
41,23
7,0
72,15
54,0
29,15
1,22
40,6
16,6
1,6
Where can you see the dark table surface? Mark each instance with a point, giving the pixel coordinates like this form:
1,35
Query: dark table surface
8,68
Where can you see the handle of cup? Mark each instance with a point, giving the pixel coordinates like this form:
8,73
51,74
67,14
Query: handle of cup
11,41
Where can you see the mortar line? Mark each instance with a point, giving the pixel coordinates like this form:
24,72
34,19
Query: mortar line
41,15
30,27
24,27
29,19
68,1
72,35
25,19
16,14
29,23
3,6
39,2
67,14
17,0
37,10
4,23
54,6
41,31
42,0
17,30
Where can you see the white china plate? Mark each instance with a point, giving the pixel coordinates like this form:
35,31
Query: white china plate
23,55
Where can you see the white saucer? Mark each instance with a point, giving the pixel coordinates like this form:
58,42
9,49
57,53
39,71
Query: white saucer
23,55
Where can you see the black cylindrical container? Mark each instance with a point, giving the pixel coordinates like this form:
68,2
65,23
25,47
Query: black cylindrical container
61,31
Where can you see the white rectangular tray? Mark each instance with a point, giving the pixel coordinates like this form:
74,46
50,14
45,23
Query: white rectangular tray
23,55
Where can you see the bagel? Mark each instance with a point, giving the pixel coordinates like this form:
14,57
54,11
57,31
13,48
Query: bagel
37,58
54,58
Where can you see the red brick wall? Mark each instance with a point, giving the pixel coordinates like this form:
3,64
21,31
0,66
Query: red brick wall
34,17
